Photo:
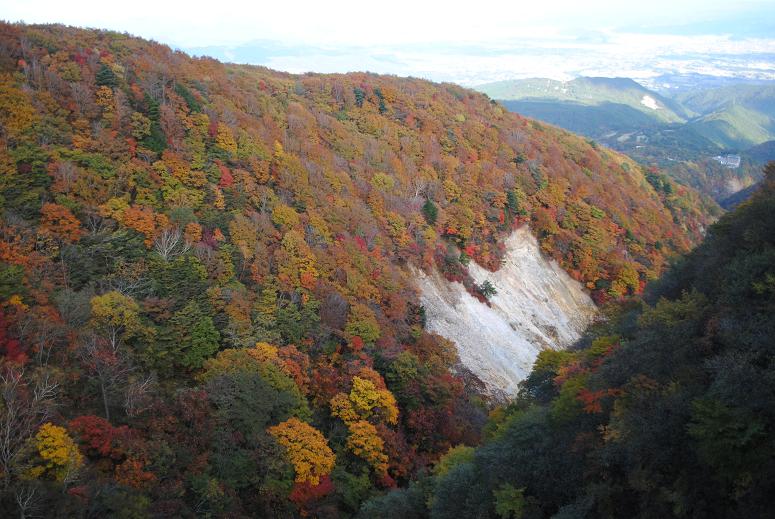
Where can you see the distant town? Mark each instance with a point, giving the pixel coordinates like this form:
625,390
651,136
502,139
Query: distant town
730,161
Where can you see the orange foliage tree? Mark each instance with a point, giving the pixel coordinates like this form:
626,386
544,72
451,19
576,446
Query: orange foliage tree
307,449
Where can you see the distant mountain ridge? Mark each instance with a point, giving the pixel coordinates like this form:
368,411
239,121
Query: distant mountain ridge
590,91
731,117
678,128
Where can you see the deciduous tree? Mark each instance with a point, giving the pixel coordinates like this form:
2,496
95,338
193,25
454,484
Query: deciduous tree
307,449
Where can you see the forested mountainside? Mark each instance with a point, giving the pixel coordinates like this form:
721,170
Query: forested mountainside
668,411
206,301
733,117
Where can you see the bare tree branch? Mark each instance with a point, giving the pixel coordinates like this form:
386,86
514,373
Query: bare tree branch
170,243
24,409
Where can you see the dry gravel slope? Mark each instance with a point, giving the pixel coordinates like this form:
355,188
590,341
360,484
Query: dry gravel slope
537,306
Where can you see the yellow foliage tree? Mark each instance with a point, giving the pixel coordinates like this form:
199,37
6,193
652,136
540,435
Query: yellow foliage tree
181,170
451,190
297,266
104,99
319,224
58,453
225,140
285,217
17,115
264,352
114,208
383,182
307,448
141,125
341,407
397,229
364,401
197,125
116,313
368,399
244,234
364,442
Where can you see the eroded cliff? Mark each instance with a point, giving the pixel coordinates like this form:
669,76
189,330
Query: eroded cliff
537,306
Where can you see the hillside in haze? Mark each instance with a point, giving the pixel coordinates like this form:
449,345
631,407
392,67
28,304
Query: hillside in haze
641,104
732,118
207,272
680,129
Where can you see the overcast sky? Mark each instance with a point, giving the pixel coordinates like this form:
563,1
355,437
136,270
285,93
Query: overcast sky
466,41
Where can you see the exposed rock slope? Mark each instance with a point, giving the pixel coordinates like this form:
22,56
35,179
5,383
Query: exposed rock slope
537,306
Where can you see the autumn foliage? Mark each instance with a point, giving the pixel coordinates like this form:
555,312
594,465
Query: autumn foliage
208,263
307,450
57,455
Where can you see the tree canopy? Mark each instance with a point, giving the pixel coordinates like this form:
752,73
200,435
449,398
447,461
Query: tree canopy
193,254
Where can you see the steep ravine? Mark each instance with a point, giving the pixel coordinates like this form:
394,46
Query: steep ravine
538,306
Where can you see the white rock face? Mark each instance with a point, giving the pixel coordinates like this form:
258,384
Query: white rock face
649,102
538,306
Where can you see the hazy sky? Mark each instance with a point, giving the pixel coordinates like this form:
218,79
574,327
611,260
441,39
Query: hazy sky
465,41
